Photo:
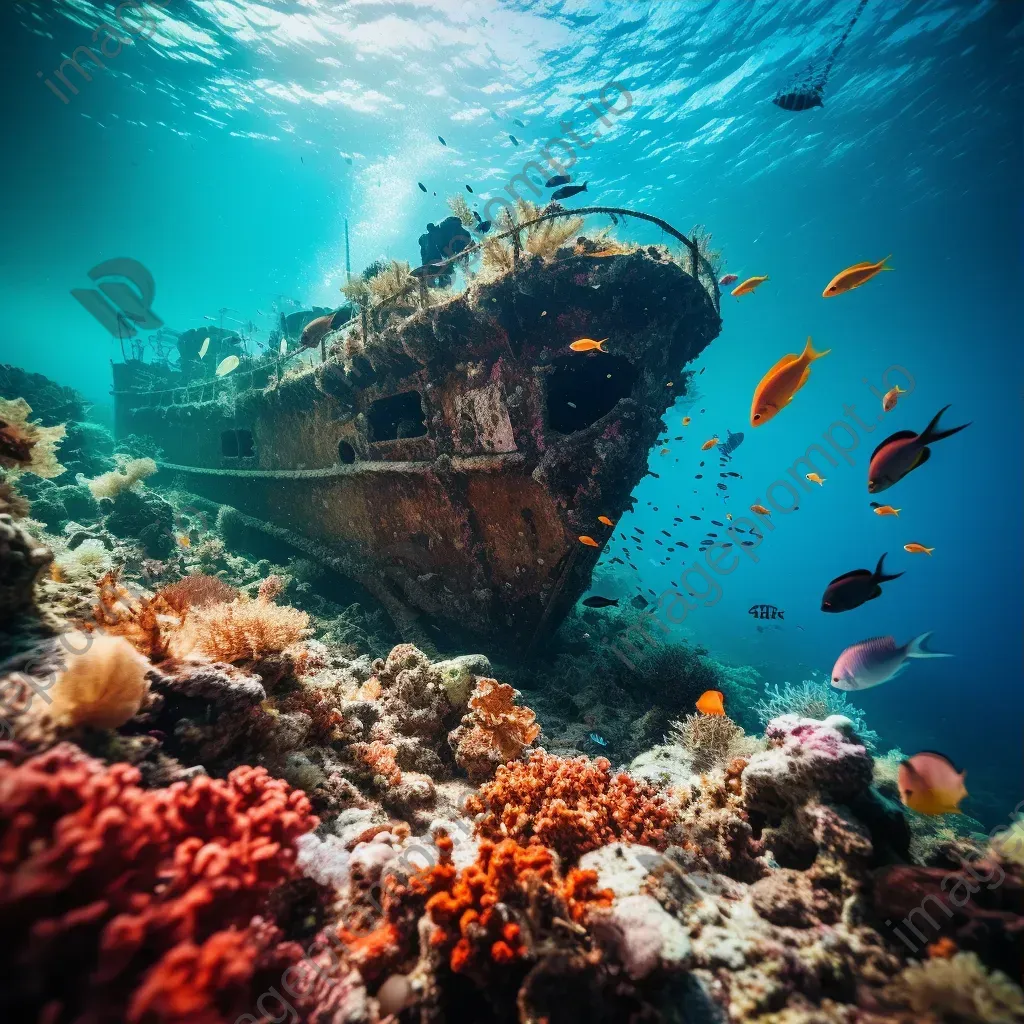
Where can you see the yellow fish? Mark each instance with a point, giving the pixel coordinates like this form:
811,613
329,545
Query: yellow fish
588,345
709,444
746,287
227,365
815,479
605,520
204,348
853,277
891,397
887,510
781,383
184,540
917,549
728,515
589,542
930,783
686,421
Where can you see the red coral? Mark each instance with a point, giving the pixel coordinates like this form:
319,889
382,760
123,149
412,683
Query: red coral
379,757
494,731
483,913
571,805
109,892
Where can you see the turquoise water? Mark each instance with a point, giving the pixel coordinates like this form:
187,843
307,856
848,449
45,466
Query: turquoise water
226,152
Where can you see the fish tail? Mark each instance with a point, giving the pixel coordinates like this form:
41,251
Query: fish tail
880,574
896,512
809,352
917,649
932,433
600,345
884,264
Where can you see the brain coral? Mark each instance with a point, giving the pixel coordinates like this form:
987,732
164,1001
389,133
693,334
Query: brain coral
571,805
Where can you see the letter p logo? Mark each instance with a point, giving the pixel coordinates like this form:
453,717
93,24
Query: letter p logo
130,301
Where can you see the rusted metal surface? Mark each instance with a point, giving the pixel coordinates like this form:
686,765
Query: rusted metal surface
452,468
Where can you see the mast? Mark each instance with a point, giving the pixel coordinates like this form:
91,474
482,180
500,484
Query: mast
348,255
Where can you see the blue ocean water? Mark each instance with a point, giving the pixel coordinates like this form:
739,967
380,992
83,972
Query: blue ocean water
226,152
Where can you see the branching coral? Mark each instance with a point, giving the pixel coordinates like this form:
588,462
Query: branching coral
494,730
460,207
103,685
960,989
27,446
197,591
812,699
105,886
713,740
571,805
124,478
480,914
240,631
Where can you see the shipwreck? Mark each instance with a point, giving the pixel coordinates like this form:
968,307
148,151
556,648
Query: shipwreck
447,451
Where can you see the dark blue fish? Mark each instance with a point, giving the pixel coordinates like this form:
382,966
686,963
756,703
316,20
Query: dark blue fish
731,443
516,121
423,188
799,99
514,140
469,188
568,191
443,143
766,611
558,179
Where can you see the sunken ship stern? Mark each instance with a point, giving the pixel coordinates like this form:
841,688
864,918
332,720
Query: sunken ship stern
450,461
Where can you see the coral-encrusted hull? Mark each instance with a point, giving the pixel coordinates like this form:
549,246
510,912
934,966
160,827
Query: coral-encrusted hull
451,466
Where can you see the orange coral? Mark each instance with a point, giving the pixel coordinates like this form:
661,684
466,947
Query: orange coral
571,805
379,757
493,731
145,622
943,948
197,591
484,913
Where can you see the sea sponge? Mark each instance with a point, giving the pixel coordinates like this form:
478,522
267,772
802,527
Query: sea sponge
241,630
124,478
571,805
197,591
103,686
12,502
960,989
89,561
713,740
27,446
1008,844
493,731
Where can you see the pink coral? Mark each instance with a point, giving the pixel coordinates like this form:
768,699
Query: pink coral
103,882
493,731
571,805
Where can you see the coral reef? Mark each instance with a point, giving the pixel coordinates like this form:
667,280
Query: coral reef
813,699
959,989
711,740
493,732
26,445
128,473
570,805
22,560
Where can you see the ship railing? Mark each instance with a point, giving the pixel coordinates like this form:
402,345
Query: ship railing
197,391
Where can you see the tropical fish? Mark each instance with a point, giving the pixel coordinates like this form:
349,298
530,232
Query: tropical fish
284,346
891,397
588,345
852,589
876,661
760,510
885,510
853,277
469,188
917,549
316,329
732,442
568,191
518,123
598,739
558,179
443,143
728,515
184,540
687,421
513,140
904,451
483,227
664,451
727,279
204,348
711,702
931,784
709,444
746,287
227,365
423,188
766,611
589,541
605,520
815,479
781,383
601,602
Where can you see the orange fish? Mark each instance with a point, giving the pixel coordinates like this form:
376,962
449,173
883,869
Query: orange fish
887,510
709,444
815,478
664,451
184,540
589,541
853,277
588,345
917,549
605,520
760,510
891,397
746,287
781,383
930,784
686,421
712,702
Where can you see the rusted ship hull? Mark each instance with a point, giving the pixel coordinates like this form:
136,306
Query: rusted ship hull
451,465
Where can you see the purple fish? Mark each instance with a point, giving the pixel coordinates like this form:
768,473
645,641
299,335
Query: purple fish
903,451
876,661
852,589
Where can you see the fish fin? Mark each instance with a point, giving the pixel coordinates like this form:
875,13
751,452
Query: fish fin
782,615
786,359
898,436
916,648
851,574
923,456
932,433
884,264
809,352
877,593
880,574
